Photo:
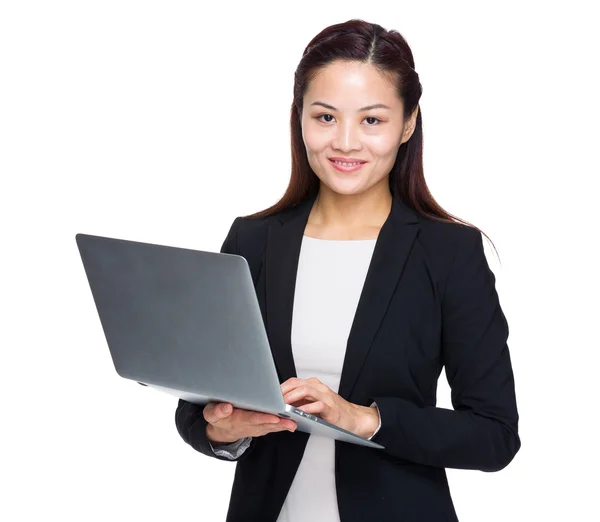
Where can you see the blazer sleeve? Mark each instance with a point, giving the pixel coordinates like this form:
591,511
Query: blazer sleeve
481,432
189,418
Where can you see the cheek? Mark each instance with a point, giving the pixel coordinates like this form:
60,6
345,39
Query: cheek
384,146
315,141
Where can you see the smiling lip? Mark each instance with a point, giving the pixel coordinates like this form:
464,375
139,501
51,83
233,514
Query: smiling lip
341,168
347,160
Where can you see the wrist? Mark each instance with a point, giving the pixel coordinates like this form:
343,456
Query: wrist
368,421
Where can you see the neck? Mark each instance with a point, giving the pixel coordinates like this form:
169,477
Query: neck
357,211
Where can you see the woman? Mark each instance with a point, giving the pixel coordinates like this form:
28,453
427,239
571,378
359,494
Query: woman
367,288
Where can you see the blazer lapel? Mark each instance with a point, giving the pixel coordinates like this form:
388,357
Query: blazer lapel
281,266
284,241
393,245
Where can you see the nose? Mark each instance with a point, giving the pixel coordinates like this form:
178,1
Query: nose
347,138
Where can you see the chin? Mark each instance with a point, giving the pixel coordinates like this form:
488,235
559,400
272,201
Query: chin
345,189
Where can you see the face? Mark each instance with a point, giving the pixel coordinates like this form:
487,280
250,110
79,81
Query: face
337,124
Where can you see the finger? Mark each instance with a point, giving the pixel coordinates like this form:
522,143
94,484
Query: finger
315,407
285,425
303,392
257,418
209,413
223,410
317,384
301,402
220,411
291,383
282,424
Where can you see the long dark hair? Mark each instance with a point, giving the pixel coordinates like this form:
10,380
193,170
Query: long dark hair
360,41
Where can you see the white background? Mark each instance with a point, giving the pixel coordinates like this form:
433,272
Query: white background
163,121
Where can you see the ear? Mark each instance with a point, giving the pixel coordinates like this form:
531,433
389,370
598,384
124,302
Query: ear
409,127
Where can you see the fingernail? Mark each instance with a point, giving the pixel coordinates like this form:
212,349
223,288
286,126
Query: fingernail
227,408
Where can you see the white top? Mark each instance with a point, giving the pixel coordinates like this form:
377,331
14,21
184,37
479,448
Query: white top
329,281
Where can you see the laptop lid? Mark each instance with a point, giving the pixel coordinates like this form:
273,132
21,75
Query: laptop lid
186,321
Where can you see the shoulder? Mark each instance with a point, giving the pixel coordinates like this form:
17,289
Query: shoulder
255,225
444,246
445,239
252,234
449,252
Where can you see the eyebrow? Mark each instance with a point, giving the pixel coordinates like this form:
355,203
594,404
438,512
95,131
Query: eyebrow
367,108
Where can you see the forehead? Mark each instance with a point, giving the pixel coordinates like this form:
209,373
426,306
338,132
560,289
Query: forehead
350,85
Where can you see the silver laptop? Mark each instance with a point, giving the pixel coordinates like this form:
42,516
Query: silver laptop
188,323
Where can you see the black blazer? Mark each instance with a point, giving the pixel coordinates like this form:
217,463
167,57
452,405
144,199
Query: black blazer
429,301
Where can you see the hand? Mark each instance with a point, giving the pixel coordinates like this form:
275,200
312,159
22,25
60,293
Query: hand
228,424
312,396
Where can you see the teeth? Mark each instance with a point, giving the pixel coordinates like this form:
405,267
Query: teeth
346,164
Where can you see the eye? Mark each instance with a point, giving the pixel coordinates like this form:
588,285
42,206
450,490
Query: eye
367,118
322,115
